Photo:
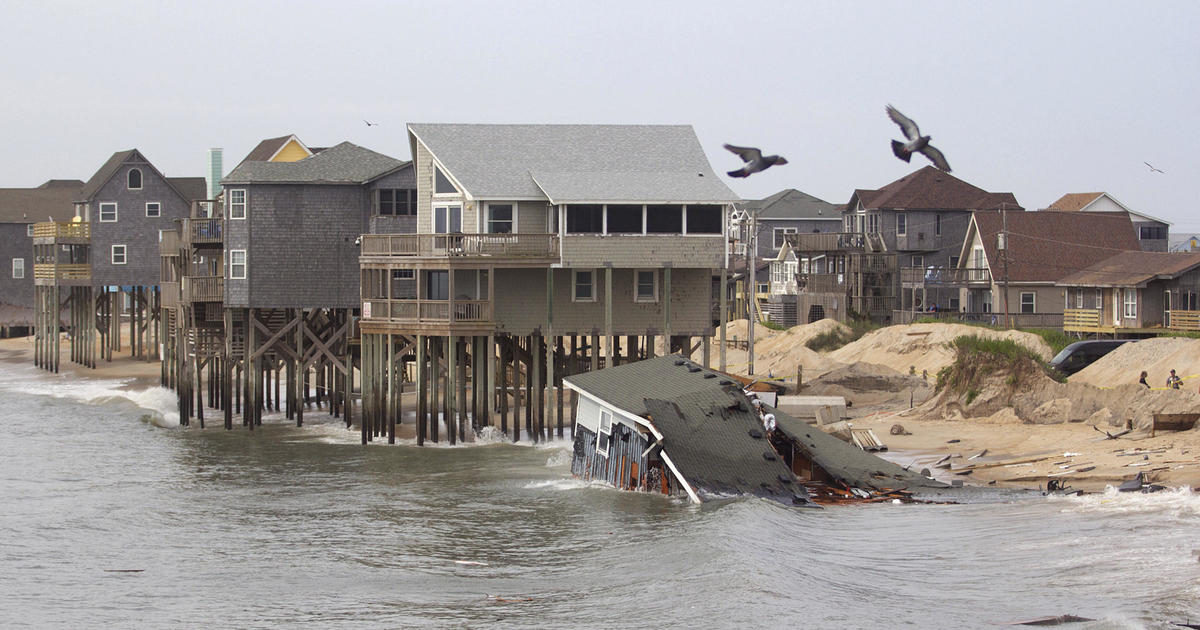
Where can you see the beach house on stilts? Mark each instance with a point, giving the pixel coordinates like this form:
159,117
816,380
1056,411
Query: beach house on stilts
107,258
540,251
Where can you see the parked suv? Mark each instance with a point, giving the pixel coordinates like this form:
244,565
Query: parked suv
1081,354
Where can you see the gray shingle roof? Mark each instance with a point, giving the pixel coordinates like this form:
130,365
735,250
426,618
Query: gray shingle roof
793,204
573,163
33,205
705,421
192,188
709,436
345,163
107,170
847,463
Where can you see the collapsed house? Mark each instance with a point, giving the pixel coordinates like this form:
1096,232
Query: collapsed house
671,426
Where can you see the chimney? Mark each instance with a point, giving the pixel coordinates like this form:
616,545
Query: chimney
214,173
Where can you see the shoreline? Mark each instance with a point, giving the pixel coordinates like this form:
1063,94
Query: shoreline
1013,454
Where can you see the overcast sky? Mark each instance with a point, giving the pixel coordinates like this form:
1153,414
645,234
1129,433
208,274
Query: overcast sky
1036,98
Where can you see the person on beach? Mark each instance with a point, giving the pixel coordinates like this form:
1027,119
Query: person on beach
1142,380
1174,382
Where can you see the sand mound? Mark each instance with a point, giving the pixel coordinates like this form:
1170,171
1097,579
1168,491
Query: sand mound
1157,356
780,352
924,346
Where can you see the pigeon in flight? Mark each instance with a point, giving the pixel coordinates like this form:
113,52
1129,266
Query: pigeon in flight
754,159
370,124
1152,169
916,142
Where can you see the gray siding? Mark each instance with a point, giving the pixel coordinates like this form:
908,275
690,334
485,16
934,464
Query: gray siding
133,228
520,303
403,178
766,237
15,243
300,246
705,252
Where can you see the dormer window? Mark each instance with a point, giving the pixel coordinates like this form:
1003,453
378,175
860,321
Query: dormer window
134,179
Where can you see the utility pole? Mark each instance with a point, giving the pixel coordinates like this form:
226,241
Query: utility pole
1002,245
752,309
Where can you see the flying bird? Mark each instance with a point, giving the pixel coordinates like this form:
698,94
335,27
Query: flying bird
370,124
754,159
916,142
1152,169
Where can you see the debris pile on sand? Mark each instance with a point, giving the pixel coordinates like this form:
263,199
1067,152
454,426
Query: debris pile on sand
868,385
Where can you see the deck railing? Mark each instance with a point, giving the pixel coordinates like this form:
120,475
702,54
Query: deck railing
198,231
496,245
821,282
203,288
1183,320
1018,320
62,229
429,311
945,275
51,271
1081,318
827,241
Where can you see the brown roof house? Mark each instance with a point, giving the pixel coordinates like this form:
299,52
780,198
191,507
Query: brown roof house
1152,233
914,223
1134,292
1027,253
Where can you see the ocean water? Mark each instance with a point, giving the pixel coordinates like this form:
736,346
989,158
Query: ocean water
113,516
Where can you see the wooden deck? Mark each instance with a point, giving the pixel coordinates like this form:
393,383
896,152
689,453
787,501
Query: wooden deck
494,248
61,232
203,289
50,274
202,232
428,316
1092,321
917,277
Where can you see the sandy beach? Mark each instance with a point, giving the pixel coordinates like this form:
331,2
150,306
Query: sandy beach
999,448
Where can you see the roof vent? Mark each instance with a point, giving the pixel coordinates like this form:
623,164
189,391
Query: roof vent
769,456
681,362
710,375
693,368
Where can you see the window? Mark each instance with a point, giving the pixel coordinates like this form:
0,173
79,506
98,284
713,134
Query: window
901,224
134,179
701,219
1027,303
624,219
403,274
153,209
848,222
237,204
647,286
19,268
118,254
442,184
602,436
780,236
500,218
937,224
918,262
1152,232
955,304
437,285
1099,299
585,219
108,213
447,219
396,201
29,230
662,219
953,262
1130,303
237,264
872,223
1078,298
585,286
